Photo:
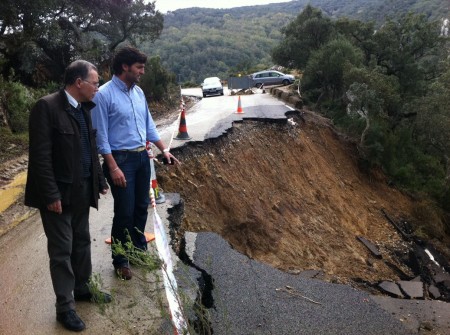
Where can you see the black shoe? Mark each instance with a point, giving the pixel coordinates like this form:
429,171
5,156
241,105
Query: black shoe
123,272
70,320
100,297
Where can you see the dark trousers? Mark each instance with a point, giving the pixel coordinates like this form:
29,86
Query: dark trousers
69,249
130,202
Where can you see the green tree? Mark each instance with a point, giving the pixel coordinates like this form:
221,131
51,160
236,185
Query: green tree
365,103
385,87
157,80
324,73
16,99
431,126
359,34
304,35
38,39
409,49
118,21
370,96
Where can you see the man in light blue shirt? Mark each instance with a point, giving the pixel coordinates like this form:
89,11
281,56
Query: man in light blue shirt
124,125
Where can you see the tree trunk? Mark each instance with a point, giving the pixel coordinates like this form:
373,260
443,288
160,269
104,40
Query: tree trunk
3,117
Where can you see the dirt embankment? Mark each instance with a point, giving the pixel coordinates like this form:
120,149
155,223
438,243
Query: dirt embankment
292,197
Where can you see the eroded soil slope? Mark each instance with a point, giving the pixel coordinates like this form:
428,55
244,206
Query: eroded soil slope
292,197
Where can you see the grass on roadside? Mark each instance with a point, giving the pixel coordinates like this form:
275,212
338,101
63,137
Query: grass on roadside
12,145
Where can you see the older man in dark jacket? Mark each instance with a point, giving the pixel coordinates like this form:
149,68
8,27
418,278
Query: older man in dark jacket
64,181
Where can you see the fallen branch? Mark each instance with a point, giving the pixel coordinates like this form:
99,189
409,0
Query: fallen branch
291,291
406,236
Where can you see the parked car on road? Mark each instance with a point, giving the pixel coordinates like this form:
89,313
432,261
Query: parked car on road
212,86
271,77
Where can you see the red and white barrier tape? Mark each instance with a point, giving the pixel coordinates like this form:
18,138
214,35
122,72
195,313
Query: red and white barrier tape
170,283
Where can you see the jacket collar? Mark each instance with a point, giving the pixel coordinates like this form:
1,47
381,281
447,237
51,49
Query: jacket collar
87,106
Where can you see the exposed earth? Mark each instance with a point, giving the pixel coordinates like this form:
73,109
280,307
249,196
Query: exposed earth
291,195
294,197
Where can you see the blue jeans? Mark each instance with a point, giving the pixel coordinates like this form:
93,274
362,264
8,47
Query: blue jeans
130,202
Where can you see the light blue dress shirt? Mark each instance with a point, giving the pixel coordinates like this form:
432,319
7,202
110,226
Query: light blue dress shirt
122,117
71,99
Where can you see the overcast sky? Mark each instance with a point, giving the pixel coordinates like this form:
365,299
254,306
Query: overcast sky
169,5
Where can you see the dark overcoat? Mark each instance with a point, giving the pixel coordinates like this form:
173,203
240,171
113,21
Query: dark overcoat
54,167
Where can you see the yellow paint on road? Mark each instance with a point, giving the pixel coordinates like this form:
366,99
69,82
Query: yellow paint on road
16,221
11,192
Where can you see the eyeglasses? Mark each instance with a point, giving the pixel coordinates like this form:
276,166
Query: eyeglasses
97,84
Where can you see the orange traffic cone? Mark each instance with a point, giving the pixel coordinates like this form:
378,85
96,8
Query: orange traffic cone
239,108
182,130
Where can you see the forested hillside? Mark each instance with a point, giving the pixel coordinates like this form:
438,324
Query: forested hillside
198,42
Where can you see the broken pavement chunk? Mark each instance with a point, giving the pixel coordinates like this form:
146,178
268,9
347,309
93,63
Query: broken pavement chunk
372,247
412,289
391,288
440,277
434,292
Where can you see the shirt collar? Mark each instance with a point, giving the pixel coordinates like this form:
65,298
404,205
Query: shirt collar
71,99
121,84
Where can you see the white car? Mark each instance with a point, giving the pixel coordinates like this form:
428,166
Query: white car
212,86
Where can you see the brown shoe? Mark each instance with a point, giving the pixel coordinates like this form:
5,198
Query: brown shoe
123,272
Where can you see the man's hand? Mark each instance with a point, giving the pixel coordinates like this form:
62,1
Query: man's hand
171,158
118,177
55,207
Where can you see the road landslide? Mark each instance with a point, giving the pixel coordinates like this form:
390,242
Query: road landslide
292,195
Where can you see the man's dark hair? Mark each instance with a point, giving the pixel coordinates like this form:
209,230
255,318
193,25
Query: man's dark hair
77,69
127,55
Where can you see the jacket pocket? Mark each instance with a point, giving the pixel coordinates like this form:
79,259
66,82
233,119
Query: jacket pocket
65,130
63,152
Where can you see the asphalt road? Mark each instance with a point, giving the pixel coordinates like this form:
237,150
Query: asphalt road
212,116
253,298
247,297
